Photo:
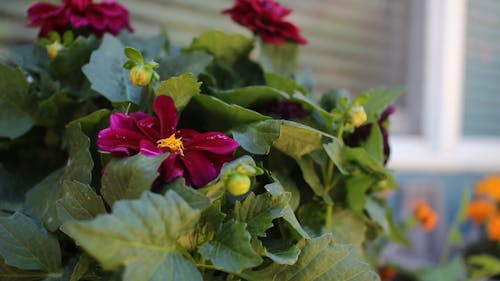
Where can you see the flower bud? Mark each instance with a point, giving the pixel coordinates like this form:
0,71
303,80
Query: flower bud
357,116
238,184
53,49
141,75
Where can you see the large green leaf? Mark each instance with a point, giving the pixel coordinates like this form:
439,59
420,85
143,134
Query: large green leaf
348,227
67,66
287,213
260,211
25,244
220,115
180,88
106,74
257,138
484,266
141,235
374,143
378,100
455,270
279,58
278,251
10,273
311,177
231,249
177,63
79,202
223,46
41,199
193,197
321,259
284,84
129,177
357,186
297,139
251,95
16,106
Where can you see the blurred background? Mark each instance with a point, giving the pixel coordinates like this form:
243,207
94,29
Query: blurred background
445,53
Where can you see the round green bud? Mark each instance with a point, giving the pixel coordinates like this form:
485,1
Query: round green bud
238,184
140,75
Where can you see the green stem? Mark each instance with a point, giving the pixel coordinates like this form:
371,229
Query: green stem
328,217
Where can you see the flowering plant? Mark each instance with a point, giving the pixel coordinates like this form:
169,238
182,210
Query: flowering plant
134,159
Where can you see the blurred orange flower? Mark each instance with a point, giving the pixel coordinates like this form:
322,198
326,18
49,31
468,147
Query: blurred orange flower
494,228
387,273
490,186
480,210
425,215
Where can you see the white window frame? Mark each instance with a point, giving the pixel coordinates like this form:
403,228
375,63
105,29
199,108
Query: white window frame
441,146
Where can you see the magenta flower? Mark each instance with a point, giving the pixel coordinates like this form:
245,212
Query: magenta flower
266,17
97,18
198,157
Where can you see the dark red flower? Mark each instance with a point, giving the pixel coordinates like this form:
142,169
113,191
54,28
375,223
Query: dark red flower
97,18
266,17
198,157
361,133
283,109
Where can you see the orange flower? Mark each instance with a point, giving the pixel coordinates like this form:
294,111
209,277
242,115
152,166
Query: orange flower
494,228
425,215
490,186
480,210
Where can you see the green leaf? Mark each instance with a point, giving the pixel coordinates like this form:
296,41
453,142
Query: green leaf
193,197
223,116
25,244
278,251
284,84
10,273
150,47
321,259
455,270
358,157
281,59
251,96
288,215
335,150
79,202
67,66
80,163
374,144
41,199
348,227
326,118
106,74
357,186
89,122
134,54
81,268
180,88
257,138
141,235
378,214
312,179
223,46
16,106
129,177
378,100
484,266
231,249
297,140
178,63
260,211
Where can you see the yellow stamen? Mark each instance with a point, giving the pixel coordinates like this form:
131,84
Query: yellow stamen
173,143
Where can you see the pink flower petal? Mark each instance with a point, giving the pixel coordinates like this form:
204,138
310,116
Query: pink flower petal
214,142
201,170
164,108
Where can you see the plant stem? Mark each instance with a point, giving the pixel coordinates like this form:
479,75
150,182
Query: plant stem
328,217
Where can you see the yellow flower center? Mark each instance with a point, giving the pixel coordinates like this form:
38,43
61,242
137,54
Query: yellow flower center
172,143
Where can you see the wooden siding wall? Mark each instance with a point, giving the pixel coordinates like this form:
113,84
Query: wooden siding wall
353,44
